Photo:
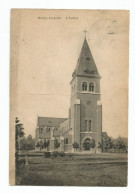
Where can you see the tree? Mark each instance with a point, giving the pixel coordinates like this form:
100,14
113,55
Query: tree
23,143
75,145
27,143
120,144
30,142
46,144
106,143
40,144
56,144
19,133
100,145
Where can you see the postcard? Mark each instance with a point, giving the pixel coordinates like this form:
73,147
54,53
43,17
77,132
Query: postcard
69,97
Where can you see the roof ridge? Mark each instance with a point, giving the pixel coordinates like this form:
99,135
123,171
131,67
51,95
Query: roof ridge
53,117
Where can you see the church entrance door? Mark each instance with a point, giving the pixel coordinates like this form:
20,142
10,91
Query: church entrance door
86,144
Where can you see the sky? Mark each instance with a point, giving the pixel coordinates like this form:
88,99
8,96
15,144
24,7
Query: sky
49,46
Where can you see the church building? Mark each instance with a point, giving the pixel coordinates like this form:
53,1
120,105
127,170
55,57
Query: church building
84,123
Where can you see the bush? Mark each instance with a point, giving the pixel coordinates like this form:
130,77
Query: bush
70,154
66,158
75,145
62,154
52,157
47,154
55,153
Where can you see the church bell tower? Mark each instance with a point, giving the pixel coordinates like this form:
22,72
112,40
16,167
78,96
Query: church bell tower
86,107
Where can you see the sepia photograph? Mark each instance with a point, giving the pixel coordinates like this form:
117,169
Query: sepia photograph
69,72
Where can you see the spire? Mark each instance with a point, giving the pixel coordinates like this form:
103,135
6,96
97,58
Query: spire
86,65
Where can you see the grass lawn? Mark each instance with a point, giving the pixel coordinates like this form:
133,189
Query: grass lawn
92,170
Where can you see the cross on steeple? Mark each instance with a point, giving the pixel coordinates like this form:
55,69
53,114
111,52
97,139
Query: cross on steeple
85,31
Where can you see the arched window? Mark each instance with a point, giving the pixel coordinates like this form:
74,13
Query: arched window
90,125
91,87
84,86
85,125
48,129
41,129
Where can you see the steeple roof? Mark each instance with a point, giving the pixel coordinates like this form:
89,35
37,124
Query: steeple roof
86,65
